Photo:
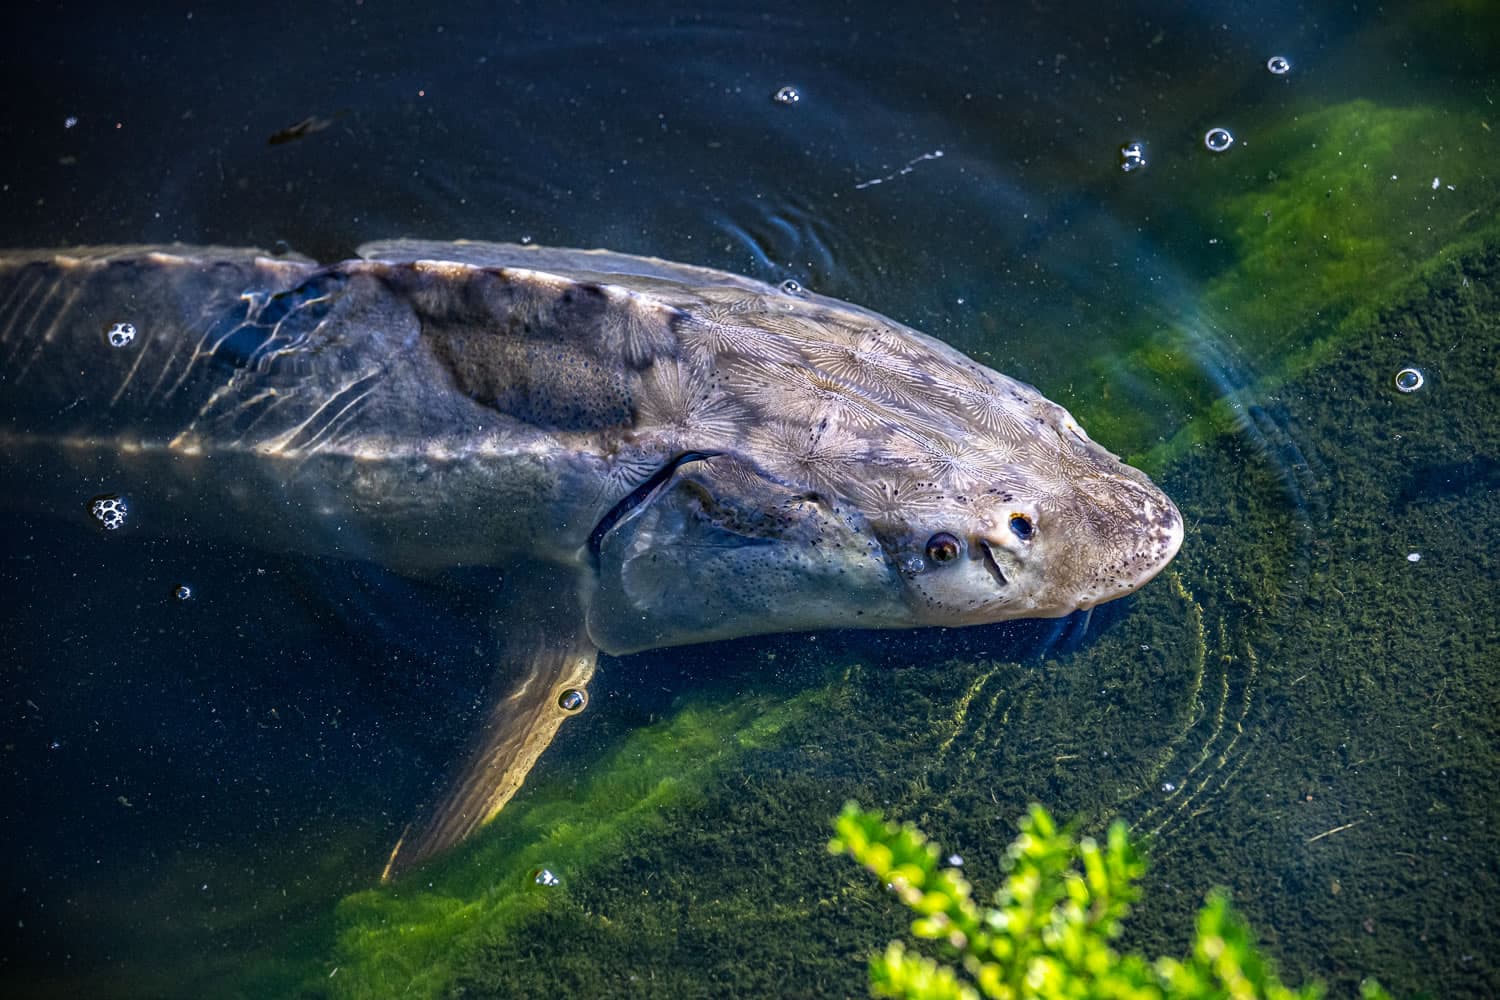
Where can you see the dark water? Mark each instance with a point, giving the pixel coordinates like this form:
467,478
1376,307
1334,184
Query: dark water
197,794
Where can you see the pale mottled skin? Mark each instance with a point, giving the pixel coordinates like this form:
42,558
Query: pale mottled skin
653,453
434,404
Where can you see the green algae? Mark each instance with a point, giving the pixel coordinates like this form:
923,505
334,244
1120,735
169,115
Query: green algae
405,939
1342,204
1321,218
1378,735
733,893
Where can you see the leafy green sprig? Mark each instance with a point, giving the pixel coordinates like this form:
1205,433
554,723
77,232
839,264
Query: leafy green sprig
1050,933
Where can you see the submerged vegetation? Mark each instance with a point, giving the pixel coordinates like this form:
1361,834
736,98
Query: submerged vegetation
1329,215
1051,932
407,939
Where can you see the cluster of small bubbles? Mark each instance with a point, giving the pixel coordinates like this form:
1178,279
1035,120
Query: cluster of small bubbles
1409,380
912,565
572,700
787,95
1132,157
545,877
1168,786
1217,140
121,334
182,592
109,511
790,287
70,121
1280,65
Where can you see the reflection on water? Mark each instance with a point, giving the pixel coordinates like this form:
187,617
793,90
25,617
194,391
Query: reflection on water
205,788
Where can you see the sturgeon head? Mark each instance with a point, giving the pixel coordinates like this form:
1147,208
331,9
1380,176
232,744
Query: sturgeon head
819,465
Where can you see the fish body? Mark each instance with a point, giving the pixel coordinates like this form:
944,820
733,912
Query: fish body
697,455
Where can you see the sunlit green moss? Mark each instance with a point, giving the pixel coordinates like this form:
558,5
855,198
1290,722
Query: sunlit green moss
405,939
1328,217
1344,207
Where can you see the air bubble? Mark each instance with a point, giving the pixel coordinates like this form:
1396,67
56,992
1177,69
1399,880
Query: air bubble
182,592
1413,557
110,511
572,700
1217,140
787,95
1280,65
794,288
70,121
1132,157
121,334
545,877
1409,380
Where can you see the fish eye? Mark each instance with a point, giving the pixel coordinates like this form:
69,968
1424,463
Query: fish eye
943,547
1021,527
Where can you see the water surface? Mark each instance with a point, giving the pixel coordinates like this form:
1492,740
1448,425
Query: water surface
200,792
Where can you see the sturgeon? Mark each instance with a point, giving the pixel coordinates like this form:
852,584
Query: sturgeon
657,453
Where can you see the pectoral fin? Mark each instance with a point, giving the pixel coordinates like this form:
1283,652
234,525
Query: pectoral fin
543,680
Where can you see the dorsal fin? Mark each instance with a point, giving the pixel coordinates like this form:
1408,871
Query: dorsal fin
586,265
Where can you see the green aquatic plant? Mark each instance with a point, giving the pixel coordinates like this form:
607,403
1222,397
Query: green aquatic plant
1323,218
409,937
1051,931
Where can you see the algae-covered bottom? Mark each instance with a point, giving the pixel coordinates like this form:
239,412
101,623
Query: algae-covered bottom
1302,710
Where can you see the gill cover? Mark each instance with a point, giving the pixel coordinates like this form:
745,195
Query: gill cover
719,549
